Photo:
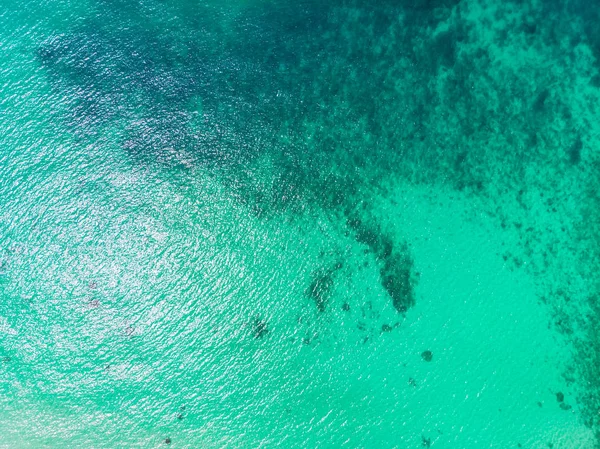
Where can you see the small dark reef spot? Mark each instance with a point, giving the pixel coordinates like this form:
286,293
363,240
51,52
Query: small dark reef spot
259,328
427,356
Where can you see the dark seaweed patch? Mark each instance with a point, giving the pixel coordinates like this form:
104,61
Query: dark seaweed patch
540,101
259,328
427,356
425,442
574,151
396,264
320,289
397,279
445,44
321,285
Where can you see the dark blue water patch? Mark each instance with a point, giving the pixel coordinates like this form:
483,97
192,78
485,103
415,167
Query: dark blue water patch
114,73
265,77
276,67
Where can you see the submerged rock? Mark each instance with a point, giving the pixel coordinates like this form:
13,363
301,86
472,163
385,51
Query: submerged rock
427,356
426,442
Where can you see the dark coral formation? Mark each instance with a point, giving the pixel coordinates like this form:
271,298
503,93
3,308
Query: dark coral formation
396,264
320,289
321,285
259,328
386,328
398,280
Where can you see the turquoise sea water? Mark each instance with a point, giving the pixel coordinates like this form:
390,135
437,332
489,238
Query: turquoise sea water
252,223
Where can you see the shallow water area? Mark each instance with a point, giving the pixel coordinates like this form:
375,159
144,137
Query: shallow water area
305,224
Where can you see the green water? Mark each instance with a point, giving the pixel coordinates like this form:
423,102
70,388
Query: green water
299,224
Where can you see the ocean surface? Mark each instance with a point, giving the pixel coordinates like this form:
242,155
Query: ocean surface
299,224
